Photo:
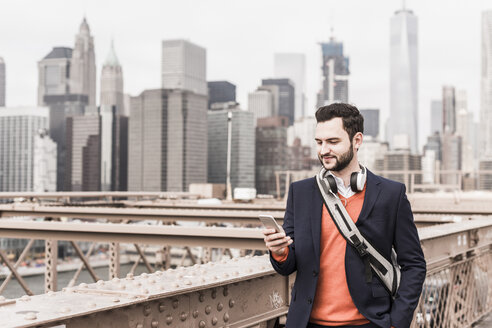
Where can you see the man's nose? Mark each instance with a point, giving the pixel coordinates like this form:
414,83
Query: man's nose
325,148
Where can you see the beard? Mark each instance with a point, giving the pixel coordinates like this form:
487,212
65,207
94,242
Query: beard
341,161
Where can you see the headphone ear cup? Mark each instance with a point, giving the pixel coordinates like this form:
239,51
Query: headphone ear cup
353,181
332,183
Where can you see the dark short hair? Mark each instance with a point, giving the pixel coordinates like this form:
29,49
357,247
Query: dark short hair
352,119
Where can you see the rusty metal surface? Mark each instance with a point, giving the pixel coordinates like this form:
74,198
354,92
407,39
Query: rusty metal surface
140,234
240,292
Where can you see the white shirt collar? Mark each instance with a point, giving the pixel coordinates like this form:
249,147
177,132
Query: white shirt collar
346,192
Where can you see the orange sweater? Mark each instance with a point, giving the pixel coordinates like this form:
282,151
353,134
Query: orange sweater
333,305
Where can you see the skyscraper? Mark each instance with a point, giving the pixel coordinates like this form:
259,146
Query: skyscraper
184,66
220,92
83,69
82,169
334,73
54,90
436,117
286,97
371,122
403,78
486,88
293,67
44,166
18,128
2,82
261,103
112,82
114,126
448,110
242,147
167,140
272,152
54,74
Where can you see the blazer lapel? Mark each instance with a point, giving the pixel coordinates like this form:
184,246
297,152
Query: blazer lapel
372,193
315,205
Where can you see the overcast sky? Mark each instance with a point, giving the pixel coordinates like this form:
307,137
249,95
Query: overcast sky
242,36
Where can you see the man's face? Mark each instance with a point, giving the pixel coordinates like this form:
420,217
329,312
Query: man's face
335,149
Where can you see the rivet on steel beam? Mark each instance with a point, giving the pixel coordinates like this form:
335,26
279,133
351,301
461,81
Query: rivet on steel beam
214,293
139,325
235,259
144,275
216,277
158,273
202,324
176,285
180,275
51,293
100,282
175,304
183,316
65,309
162,307
201,298
130,276
137,283
220,306
25,298
225,275
236,273
188,282
147,310
208,309
91,305
162,287
226,291
214,321
224,261
2,298
116,300
154,324
169,320
115,280
203,271
122,287
145,291
231,303
202,279
249,270
226,317
31,316
152,281
83,285
195,314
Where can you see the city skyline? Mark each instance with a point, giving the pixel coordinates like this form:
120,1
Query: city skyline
449,53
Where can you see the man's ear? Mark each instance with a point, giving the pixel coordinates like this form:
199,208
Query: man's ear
357,140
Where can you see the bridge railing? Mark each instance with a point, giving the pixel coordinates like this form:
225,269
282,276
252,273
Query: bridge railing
246,292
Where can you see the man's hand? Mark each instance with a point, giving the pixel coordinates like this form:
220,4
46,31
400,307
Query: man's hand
276,242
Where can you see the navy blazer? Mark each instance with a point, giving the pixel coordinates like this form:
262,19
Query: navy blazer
386,220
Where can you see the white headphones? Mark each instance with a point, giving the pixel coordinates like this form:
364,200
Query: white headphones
357,180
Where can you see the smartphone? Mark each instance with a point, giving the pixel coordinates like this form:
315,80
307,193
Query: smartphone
269,222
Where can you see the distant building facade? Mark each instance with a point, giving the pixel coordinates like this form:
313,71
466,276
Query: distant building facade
436,117
18,129
2,82
403,117
334,74
83,136
83,65
167,140
242,148
272,153
485,143
44,168
184,66
286,97
261,103
220,92
371,122
293,67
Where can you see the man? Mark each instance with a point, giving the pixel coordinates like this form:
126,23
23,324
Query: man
331,288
